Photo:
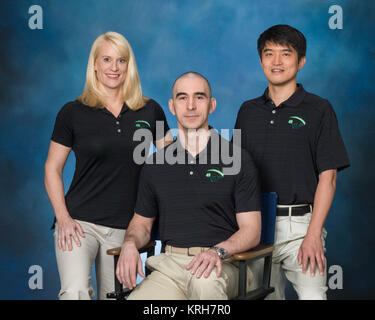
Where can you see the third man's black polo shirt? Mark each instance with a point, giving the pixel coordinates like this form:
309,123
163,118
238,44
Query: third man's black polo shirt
291,144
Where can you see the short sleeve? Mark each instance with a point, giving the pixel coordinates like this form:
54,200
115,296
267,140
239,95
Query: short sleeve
146,204
160,122
330,148
239,126
247,190
63,129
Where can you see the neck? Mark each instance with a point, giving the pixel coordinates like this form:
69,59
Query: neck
194,140
279,94
112,97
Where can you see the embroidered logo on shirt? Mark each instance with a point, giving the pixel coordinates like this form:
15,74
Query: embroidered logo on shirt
214,175
296,122
142,124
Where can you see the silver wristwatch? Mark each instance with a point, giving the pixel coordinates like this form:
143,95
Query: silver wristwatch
221,252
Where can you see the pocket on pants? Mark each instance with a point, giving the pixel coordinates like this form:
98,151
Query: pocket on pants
299,226
153,262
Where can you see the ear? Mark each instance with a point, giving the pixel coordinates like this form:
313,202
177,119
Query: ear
301,63
212,105
171,106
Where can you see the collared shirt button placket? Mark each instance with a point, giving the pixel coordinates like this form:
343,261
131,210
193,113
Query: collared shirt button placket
273,112
118,123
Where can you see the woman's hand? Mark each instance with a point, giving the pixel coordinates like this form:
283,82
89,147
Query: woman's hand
68,228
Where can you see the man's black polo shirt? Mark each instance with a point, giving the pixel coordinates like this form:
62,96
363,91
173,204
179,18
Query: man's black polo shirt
292,144
105,182
196,204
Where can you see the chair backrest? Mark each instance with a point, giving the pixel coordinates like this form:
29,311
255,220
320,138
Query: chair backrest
155,235
269,204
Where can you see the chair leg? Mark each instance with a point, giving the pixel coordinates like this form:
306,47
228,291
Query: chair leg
118,285
119,293
267,271
242,280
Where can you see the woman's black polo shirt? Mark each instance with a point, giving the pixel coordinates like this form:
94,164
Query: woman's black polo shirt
195,204
292,144
105,182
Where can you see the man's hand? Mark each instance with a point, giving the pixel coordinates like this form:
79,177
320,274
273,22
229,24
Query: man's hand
204,263
128,264
311,250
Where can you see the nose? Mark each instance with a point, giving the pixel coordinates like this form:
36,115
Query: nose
191,104
114,65
277,59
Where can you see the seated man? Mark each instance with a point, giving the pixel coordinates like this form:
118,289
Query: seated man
206,213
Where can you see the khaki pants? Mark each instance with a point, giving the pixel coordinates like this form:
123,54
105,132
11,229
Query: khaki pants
75,267
171,281
289,234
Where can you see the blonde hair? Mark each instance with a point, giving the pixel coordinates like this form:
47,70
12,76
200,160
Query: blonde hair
131,90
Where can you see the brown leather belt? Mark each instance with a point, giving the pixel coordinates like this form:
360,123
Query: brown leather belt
192,251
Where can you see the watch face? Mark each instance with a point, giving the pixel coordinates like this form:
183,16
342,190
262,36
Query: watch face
221,252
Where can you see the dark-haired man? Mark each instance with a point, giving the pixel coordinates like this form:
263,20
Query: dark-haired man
205,213
294,139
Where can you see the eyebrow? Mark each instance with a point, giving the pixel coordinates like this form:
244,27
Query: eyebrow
268,49
105,56
195,94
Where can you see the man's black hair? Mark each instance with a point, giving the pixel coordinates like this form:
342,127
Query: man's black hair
283,34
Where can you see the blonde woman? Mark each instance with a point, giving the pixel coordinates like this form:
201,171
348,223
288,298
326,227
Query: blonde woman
98,126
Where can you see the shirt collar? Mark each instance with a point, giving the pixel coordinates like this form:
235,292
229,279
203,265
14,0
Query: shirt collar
294,100
207,149
123,109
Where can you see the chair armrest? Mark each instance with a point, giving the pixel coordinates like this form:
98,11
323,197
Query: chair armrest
257,252
116,251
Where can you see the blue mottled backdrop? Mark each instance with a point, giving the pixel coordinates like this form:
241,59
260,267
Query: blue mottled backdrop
40,70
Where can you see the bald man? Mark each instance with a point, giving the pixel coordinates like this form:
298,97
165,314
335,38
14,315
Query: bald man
205,216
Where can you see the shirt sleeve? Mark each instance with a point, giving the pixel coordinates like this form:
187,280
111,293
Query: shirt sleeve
146,204
239,126
160,122
330,148
247,190
63,129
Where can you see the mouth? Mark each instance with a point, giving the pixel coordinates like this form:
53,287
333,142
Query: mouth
277,70
112,75
191,116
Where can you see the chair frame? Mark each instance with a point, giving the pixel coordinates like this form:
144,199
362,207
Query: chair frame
120,293
260,251
263,250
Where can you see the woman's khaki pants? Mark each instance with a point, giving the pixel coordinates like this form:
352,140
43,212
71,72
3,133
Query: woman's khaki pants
75,267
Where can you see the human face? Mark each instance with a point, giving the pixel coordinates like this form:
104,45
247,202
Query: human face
280,64
191,103
110,67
